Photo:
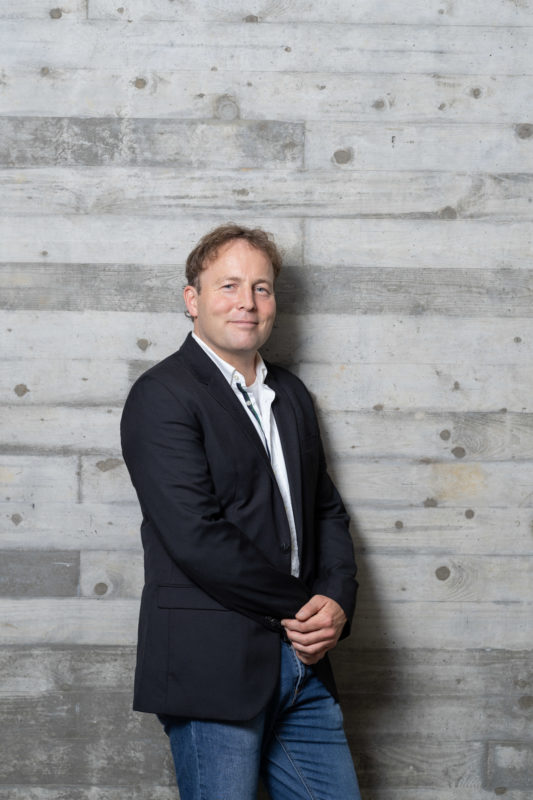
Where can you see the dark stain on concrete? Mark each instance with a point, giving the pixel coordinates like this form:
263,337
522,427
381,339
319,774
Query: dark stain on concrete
517,339
139,83
108,463
100,589
251,18
343,156
378,407
442,573
120,10
241,192
430,502
526,702
21,389
448,212
500,790
288,49
524,130
143,344
378,104
476,92
56,13
469,513
398,524
459,452
45,71
445,434
44,252
16,519
442,106
456,386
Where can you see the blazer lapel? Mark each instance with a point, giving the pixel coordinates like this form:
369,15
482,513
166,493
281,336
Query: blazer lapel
218,387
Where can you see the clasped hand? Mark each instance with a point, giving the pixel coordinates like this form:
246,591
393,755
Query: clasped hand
316,628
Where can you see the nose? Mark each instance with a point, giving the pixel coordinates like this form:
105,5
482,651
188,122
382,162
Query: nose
246,297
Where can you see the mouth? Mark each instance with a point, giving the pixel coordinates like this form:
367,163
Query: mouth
246,323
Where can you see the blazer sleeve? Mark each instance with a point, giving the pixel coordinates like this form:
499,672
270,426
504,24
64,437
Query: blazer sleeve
336,567
163,449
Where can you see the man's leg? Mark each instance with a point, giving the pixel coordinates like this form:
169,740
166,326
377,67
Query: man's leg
307,755
214,760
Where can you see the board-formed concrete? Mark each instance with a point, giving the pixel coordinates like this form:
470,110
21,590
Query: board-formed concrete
389,147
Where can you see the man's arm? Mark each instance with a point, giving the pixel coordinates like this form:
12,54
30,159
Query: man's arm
326,617
163,448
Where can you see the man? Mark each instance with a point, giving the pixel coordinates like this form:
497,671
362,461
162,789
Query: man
249,569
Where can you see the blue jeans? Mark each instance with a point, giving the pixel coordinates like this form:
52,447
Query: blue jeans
297,745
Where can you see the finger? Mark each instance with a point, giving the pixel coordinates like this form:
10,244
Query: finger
315,637
311,608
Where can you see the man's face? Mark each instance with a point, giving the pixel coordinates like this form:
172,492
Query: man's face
234,310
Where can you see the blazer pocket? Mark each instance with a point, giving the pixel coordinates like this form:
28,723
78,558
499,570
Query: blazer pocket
190,597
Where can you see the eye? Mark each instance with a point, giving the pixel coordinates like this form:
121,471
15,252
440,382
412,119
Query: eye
262,290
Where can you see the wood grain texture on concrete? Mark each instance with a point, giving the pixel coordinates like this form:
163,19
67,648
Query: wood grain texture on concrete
389,148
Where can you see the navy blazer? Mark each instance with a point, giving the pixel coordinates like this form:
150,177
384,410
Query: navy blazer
216,537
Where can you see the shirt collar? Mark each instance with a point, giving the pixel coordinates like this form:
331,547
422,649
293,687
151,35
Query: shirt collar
232,375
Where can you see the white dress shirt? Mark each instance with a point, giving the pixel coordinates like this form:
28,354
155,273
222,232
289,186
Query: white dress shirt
262,397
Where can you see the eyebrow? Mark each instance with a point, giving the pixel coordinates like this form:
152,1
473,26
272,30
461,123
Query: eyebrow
237,279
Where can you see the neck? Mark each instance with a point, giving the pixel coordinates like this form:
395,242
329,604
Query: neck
243,362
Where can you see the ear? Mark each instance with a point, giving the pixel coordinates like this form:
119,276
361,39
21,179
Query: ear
190,295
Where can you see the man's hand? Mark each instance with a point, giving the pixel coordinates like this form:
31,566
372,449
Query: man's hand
316,628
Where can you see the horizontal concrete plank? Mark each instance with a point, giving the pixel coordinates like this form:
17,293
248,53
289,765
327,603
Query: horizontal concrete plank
276,47
327,192
63,381
397,578
449,244
98,239
350,339
347,290
416,530
455,625
414,673
388,577
387,483
350,146
377,432
306,11
41,9
65,141
38,573
72,621
32,479
52,429
106,573
89,716
399,484
149,791
443,531
115,761
33,671
424,387
67,524
337,387
291,96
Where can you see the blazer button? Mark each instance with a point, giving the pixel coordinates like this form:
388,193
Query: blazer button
285,547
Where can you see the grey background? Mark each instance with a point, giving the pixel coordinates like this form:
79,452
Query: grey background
389,148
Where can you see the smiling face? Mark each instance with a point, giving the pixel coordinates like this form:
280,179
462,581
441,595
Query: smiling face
235,308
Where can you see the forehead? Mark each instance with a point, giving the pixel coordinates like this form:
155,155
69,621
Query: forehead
242,258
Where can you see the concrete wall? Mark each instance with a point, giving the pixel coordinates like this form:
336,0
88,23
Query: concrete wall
389,146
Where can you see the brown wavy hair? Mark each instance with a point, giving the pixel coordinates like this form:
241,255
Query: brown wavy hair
207,248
